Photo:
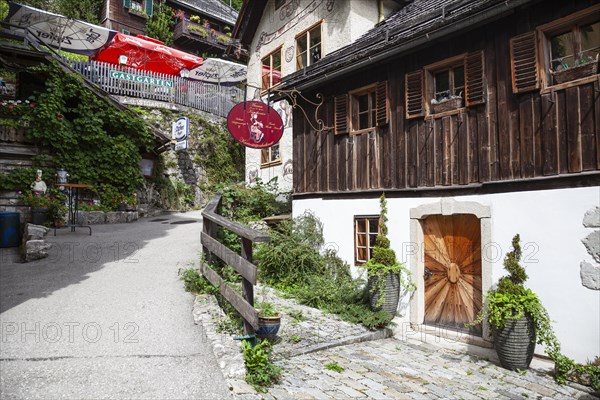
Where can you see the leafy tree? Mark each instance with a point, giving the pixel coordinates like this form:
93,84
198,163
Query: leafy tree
85,10
160,24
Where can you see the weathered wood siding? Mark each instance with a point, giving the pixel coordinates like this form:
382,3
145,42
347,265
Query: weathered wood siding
510,137
121,18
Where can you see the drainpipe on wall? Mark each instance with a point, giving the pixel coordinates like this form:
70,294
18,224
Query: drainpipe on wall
380,9
107,18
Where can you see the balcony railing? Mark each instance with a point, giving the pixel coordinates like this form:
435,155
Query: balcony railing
199,32
122,81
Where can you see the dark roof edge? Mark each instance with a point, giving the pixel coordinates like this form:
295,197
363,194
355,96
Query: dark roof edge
307,82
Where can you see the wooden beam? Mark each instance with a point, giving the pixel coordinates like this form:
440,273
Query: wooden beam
241,265
237,228
247,311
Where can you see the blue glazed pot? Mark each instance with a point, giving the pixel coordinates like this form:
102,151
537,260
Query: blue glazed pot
268,327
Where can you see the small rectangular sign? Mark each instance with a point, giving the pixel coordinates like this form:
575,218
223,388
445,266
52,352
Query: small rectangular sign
181,145
180,131
140,78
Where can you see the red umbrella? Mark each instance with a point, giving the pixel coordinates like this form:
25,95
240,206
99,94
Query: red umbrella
147,54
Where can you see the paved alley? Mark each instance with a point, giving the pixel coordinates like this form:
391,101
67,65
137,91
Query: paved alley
106,316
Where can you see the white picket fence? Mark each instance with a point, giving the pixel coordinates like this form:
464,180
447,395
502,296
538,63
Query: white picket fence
209,97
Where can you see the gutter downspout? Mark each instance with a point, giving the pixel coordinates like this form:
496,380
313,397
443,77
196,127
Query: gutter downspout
468,21
107,18
380,10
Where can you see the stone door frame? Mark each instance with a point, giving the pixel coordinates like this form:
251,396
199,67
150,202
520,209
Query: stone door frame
446,206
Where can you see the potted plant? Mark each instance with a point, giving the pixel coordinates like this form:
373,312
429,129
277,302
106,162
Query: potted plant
583,66
516,316
269,320
57,210
385,274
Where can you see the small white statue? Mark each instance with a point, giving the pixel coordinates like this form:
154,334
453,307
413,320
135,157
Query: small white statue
39,187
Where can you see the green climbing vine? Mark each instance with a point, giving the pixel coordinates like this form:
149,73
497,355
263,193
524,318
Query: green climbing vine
97,143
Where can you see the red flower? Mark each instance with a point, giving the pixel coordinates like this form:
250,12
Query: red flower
11,107
59,116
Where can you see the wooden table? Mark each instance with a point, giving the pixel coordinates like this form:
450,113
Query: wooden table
73,196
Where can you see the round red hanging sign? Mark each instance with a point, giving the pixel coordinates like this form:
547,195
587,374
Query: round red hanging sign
254,124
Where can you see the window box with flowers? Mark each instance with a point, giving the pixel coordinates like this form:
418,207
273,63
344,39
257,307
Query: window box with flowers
11,110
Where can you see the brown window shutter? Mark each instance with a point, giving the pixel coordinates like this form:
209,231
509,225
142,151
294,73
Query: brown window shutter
474,79
381,103
414,94
341,114
523,60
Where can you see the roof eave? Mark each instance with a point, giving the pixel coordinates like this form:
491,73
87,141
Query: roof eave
300,82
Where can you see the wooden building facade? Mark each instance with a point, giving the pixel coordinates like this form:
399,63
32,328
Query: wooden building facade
478,119
515,123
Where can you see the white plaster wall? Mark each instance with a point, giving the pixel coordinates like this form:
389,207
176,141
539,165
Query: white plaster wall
343,22
551,229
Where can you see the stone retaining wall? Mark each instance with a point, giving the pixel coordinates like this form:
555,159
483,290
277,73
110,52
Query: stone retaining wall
111,217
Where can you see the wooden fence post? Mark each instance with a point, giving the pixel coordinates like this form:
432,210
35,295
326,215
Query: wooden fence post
247,287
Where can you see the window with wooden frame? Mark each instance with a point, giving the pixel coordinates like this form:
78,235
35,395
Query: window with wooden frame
446,86
308,47
570,47
270,156
140,6
366,229
361,110
271,69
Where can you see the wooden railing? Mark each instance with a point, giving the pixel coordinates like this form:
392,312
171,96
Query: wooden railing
241,263
215,99
198,32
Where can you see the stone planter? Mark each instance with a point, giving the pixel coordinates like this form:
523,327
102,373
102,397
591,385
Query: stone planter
392,293
515,343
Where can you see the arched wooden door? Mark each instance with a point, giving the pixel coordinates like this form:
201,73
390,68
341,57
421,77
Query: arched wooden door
452,270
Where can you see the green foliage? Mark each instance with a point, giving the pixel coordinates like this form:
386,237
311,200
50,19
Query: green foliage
384,262
3,9
290,258
294,262
261,373
334,366
295,339
244,204
196,283
160,25
231,326
86,10
511,300
96,142
53,201
235,4
266,309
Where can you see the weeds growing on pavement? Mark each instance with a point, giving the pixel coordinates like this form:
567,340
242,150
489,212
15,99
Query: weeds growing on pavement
261,372
334,366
